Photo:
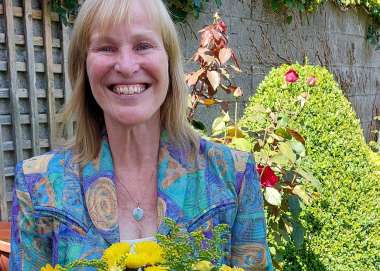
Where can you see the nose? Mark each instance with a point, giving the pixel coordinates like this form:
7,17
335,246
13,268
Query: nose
127,62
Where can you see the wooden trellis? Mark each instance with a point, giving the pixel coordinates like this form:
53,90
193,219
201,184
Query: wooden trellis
33,85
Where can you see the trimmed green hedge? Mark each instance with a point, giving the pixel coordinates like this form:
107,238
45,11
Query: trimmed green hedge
343,223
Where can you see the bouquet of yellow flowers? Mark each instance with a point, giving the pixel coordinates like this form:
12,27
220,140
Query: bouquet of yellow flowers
179,250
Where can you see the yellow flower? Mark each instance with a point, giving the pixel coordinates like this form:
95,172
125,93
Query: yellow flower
113,254
202,266
152,251
136,260
48,267
156,268
225,268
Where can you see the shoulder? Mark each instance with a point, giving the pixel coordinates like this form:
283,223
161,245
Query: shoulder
49,186
46,175
224,155
48,162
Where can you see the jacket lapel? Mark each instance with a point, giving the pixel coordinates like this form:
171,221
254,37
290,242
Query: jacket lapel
100,194
177,168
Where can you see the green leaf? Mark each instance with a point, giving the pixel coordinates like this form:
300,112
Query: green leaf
241,144
258,108
218,126
283,122
272,196
309,177
298,234
298,147
198,125
284,234
178,15
280,159
288,227
300,192
283,133
218,3
275,5
294,205
272,250
289,19
197,4
226,117
288,176
286,150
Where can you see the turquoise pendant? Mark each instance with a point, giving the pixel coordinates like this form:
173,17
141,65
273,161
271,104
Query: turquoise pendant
138,213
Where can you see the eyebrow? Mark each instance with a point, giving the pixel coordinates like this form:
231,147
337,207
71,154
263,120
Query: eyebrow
105,37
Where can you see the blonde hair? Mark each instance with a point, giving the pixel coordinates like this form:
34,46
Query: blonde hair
82,106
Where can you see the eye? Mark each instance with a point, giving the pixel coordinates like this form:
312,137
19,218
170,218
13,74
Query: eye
143,46
107,49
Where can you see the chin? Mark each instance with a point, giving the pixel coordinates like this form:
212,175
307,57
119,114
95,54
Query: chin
136,119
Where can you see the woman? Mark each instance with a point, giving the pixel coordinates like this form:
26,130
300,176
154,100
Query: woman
134,158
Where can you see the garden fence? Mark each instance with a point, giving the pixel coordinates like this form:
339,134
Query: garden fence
33,85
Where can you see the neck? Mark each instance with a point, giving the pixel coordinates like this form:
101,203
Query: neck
134,149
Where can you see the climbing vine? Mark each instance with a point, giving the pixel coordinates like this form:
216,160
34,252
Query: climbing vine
372,7
179,9
66,9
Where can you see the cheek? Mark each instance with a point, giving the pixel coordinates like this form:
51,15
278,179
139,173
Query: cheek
96,67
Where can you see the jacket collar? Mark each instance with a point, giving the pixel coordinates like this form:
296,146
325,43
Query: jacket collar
98,180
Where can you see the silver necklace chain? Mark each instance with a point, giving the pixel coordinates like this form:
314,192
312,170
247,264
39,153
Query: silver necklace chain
137,212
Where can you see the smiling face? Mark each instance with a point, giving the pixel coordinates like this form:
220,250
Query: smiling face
127,68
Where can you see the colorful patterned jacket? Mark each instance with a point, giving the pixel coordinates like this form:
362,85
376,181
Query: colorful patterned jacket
61,213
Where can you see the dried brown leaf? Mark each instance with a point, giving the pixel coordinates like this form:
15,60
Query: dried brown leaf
225,55
208,102
214,79
193,78
296,135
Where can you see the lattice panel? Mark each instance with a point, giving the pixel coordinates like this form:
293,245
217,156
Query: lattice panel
33,85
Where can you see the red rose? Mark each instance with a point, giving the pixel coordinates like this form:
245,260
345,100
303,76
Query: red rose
267,176
311,81
291,76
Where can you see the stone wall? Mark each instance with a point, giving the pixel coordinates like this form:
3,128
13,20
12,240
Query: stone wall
330,37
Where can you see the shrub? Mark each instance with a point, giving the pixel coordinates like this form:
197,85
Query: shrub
344,222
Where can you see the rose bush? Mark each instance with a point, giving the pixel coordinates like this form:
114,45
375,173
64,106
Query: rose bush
278,149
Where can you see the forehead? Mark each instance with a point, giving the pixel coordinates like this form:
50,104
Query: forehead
134,14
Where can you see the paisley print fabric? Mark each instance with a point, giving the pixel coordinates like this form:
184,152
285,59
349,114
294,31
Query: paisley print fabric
61,213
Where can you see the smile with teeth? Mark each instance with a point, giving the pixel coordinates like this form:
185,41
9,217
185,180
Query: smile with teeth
129,89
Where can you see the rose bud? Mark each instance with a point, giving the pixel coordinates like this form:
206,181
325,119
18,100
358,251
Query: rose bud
291,76
311,81
238,93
